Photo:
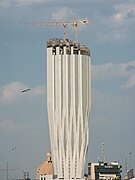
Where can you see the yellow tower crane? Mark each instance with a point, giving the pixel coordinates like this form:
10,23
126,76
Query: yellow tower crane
64,24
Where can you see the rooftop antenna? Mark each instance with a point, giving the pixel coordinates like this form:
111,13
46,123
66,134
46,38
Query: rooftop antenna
103,152
126,166
130,160
7,171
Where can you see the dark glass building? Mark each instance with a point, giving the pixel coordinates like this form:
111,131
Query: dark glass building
106,171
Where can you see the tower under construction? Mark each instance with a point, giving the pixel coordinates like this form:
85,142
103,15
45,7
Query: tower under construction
68,104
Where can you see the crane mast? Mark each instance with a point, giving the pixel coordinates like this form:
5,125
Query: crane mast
64,24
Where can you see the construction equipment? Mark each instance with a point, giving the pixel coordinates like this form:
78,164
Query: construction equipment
64,24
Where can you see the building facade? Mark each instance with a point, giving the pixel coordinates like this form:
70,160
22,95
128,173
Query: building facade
68,104
107,171
45,170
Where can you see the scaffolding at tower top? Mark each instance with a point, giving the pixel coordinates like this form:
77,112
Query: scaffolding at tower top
69,46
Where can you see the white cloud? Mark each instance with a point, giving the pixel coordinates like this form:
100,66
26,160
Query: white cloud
8,125
38,91
130,82
110,70
124,12
119,17
120,25
11,93
62,14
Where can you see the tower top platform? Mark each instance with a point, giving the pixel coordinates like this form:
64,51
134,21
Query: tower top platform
55,42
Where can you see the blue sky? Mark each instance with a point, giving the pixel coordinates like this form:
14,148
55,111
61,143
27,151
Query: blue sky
23,117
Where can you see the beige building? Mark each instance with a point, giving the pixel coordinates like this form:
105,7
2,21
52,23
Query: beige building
45,169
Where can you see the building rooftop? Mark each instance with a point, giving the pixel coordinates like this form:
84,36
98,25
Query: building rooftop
68,44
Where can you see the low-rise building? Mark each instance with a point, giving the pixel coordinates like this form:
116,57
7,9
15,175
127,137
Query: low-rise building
45,170
106,171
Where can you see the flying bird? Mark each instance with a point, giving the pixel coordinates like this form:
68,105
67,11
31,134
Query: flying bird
25,90
14,148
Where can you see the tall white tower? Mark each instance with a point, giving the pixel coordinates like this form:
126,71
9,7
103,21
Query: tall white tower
69,104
